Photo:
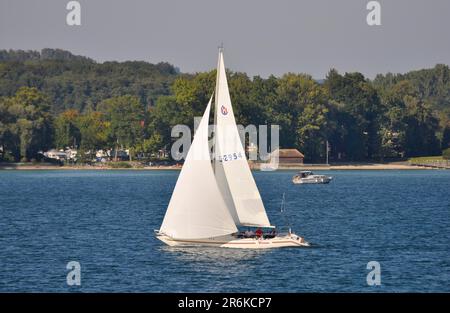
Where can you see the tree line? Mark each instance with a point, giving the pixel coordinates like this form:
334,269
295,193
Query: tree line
55,99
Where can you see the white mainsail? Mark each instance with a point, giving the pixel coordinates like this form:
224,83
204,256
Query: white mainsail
197,209
233,174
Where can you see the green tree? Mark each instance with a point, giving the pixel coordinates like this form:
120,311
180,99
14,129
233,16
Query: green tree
362,109
446,137
312,132
26,123
446,154
127,117
94,132
394,124
421,137
294,93
166,114
409,126
262,101
151,145
67,133
193,92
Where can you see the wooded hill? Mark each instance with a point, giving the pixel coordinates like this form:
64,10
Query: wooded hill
53,98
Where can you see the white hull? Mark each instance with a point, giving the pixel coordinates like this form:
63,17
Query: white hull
245,243
312,180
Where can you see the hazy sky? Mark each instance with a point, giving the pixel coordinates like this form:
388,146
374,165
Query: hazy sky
261,37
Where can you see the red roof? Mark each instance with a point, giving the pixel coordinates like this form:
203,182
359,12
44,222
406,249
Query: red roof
289,153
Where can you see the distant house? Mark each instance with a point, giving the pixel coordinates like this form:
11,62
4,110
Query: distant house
288,156
61,155
122,155
162,153
71,154
56,154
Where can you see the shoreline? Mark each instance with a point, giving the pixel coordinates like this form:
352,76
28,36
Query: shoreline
369,166
281,167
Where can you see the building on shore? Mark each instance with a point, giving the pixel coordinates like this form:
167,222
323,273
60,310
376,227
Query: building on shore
61,155
287,156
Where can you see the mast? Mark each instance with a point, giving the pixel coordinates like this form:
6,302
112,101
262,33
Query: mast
216,101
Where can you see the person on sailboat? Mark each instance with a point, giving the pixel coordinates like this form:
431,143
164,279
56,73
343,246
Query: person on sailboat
272,234
248,234
259,233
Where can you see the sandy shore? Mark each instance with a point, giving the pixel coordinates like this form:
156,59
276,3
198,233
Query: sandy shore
368,166
375,166
81,167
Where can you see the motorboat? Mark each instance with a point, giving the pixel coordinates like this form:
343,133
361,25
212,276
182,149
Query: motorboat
308,177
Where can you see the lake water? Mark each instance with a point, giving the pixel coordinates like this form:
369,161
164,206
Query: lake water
105,221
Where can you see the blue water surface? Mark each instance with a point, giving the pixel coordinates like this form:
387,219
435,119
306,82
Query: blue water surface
105,221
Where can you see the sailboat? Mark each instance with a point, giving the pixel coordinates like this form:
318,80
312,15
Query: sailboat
215,196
